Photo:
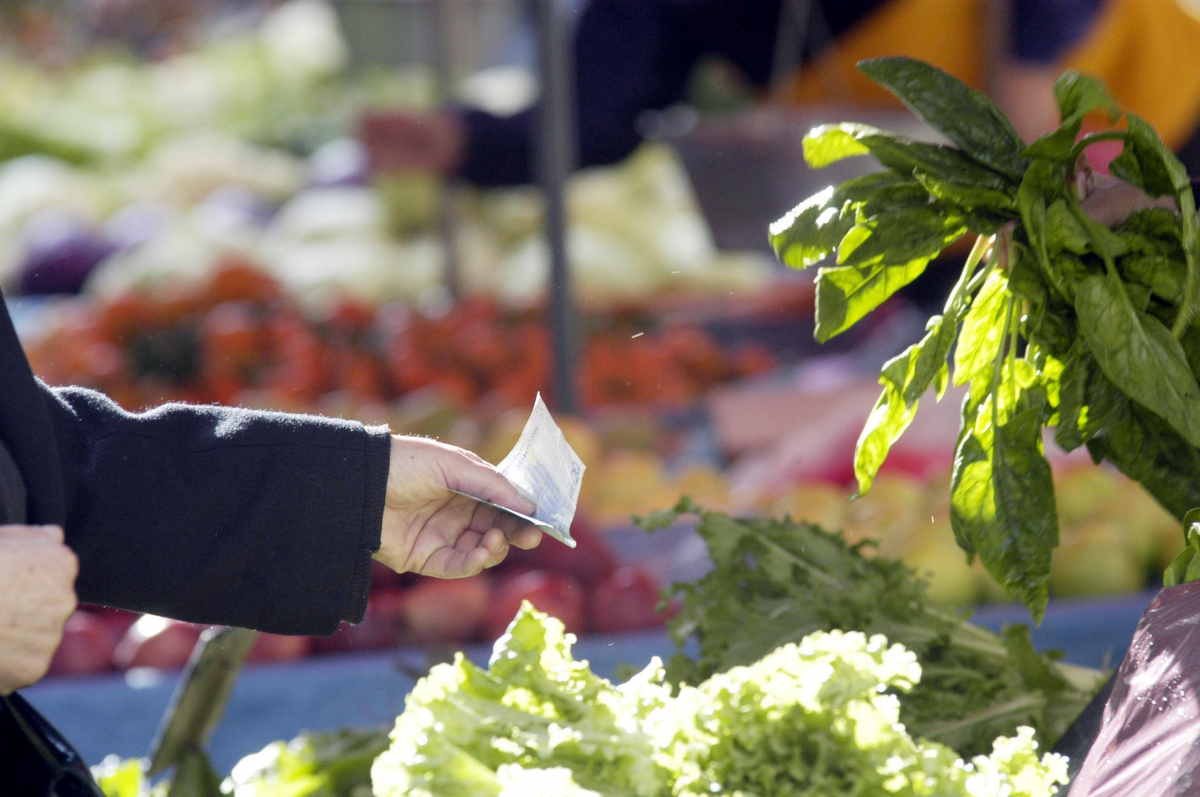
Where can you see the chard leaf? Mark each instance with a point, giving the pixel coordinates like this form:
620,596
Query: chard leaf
1002,499
828,144
847,293
1063,230
812,230
966,116
1147,162
979,341
935,161
887,421
1143,447
1139,355
1078,94
1073,399
905,378
899,236
1164,276
968,195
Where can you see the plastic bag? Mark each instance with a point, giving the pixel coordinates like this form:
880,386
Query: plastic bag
1149,739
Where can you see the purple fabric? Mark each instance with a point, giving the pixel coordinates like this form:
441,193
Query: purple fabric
1149,741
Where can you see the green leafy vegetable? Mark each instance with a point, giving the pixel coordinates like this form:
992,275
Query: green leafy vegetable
1068,323
776,581
815,717
966,116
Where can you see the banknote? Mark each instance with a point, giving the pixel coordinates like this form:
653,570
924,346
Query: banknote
544,468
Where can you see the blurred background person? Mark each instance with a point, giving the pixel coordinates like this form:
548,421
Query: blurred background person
634,56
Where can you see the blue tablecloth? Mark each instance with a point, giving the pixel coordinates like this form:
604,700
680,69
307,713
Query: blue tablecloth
119,714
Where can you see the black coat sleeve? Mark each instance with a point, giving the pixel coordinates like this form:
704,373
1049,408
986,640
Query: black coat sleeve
221,515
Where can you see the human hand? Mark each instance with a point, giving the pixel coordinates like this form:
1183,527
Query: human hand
429,530
407,141
1111,201
37,595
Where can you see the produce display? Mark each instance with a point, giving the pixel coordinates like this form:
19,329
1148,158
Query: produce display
1074,310
538,723
1115,539
776,581
149,174
235,338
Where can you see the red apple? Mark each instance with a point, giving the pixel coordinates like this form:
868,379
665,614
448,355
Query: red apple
557,595
87,646
380,628
445,610
626,601
157,642
278,647
589,561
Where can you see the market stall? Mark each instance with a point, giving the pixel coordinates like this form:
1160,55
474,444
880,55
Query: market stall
229,244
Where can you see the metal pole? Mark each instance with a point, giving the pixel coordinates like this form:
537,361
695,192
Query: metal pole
449,18
556,158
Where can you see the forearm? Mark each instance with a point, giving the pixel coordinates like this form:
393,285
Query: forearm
221,515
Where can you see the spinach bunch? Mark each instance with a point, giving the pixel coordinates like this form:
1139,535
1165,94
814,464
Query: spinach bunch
1056,320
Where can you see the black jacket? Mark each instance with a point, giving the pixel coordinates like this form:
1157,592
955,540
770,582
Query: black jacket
209,514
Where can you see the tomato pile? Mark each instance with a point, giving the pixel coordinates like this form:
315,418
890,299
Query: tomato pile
237,339
584,587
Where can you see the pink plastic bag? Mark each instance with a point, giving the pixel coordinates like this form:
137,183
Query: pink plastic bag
1149,740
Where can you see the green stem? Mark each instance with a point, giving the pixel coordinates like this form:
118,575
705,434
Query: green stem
1187,214
961,290
1001,356
1092,138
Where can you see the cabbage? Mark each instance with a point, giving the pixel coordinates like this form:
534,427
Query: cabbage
818,717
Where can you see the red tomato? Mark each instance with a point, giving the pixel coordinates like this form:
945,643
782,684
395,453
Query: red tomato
557,595
232,337
279,647
86,647
157,642
626,601
445,610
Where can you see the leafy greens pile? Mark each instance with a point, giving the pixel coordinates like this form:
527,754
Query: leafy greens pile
1067,324
332,764
817,717
775,582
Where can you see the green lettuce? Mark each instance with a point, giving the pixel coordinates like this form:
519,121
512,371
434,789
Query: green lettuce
816,717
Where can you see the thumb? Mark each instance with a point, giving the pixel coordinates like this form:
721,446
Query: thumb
484,481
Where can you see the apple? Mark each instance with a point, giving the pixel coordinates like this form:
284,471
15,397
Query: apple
87,646
278,647
821,503
381,627
450,610
1095,563
156,642
1079,491
589,561
626,601
117,621
936,557
557,595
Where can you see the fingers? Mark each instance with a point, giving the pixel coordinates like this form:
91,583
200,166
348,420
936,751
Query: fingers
37,572
50,534
526,538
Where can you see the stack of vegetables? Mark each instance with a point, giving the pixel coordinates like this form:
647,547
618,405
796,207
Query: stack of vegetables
912,700
148,173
